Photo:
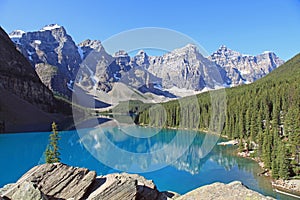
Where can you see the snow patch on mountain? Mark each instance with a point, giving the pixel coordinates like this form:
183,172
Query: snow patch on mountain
50,27
80,51
16,34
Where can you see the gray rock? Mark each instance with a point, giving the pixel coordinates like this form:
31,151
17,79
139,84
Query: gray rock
6,188
186,68
220,191
125,186
245,68
57,181
53,78
27,191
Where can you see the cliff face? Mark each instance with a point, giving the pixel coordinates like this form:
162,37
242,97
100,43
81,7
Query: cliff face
25,100
19,78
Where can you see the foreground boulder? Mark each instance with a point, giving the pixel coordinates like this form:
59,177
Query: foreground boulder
220,191
56,181
28,191
125,186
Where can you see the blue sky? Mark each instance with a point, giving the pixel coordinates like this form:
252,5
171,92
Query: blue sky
248,26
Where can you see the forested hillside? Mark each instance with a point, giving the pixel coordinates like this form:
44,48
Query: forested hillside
265,114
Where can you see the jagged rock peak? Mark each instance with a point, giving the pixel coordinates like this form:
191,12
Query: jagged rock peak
121,53
16,34
51,27
141,58
225,51
267,52
188,48
93,44
141,52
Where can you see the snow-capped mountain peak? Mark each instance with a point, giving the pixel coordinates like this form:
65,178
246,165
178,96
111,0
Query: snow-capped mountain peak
50,27
267,52
141,52
188,48
224,51
16,34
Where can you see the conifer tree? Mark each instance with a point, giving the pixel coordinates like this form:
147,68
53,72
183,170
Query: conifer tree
283,162
52,154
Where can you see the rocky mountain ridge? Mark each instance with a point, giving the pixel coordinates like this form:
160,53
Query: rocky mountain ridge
60,63
243,69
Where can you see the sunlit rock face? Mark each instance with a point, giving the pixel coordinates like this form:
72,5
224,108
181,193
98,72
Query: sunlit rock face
242,69
186,68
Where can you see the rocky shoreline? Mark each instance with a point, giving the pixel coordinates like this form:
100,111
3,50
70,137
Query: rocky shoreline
287,187
291,187
60,181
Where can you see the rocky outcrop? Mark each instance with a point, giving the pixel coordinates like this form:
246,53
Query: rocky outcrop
59,181
125,186
28,191
56,181
241,69
220,191
291,186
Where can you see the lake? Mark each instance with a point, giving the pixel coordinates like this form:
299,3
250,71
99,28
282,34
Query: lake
175,160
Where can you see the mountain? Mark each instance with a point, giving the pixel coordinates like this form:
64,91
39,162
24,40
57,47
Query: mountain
26,103
60,63
51,50
241,69
186,68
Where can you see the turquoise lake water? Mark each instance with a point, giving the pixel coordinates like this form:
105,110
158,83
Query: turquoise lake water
177,161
